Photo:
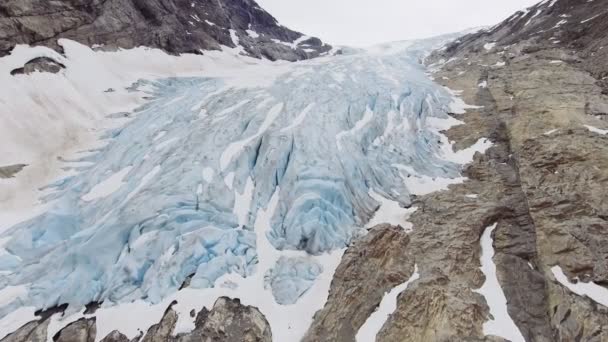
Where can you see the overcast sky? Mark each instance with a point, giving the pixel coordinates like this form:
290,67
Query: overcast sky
367,22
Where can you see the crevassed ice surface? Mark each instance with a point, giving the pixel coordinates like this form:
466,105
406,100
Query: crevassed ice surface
291,278
189,173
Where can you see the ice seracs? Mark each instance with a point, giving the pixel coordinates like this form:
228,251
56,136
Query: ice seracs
334,139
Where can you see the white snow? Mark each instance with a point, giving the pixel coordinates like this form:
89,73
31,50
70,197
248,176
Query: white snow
597,293
390,212
299,119
501,324
73,110
373,324
560,23
229,180
294,45
208,174
483,84
108,186
242,202
422,185
534,16
466,155
144,180
471,196
159,135
489,46
231,109
253,34
551,131
10,293
458,106
597,130
367,118
236,147
587,20
165,144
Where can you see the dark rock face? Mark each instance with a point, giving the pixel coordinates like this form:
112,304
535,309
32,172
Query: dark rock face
578,26
176,26
83,330
229,321
11,170
40,64
115,336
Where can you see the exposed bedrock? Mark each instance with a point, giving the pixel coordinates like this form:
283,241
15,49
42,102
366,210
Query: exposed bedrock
543,182
11,170
370,267
227,321
176,26
40,64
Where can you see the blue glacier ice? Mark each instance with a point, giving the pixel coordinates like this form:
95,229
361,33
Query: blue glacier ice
323,135
290,278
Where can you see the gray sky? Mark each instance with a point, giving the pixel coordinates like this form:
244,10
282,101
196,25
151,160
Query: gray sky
367,22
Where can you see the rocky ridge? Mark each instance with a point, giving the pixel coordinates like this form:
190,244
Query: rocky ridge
228,321
176,26
543,183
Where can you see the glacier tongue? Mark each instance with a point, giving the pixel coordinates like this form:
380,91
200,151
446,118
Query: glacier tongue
324,135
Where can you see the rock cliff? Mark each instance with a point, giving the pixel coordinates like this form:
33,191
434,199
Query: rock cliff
538,84
176,26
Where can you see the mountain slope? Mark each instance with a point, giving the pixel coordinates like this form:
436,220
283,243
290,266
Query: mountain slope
345,198
534,204
245,180
176,26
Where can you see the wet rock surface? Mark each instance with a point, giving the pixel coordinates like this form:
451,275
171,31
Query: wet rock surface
176,26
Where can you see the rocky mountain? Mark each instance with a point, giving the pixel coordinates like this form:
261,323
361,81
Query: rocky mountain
176,26
360,197
538,84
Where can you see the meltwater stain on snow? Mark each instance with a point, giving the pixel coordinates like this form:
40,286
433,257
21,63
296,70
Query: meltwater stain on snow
500,324
190,188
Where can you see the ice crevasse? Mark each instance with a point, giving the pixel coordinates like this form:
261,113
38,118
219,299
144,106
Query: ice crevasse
196,164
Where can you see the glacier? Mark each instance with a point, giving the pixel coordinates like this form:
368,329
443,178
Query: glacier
291,278
186,177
